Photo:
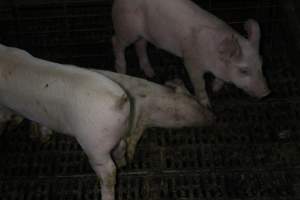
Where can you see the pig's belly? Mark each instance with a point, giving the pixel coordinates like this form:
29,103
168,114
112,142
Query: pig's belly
46,113
166,44
164,37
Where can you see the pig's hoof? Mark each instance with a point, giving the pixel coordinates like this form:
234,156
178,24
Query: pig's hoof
217,85
149,72
46,139
121,163
34,131
120,68
205,102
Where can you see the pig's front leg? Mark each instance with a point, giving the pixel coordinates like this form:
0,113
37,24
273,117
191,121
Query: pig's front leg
38,131
119,154
132,140
217,84
107,171
98,147
141,50
119,51
196,76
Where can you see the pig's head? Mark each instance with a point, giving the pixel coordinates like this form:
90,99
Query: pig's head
239,61
178,108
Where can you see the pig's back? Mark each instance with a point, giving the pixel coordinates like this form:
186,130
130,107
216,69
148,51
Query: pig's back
50,93
136,87
167,23
184,12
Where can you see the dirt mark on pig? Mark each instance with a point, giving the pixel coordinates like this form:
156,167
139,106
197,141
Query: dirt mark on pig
7,72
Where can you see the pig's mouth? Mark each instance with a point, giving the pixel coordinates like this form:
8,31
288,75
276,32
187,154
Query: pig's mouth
259,95
263,94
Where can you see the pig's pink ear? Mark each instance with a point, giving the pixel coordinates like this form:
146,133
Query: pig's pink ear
229,49
253,30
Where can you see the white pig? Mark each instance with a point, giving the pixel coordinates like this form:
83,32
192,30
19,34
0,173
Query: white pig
154,105
70,100
206,43
103,116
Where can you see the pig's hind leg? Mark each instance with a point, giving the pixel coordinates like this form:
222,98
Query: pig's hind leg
141,50
107,171
127,30
99,146
119,50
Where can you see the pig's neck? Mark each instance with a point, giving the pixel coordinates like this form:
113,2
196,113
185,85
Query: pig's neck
157,114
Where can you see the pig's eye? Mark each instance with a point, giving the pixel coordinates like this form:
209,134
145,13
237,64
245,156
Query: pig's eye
244,72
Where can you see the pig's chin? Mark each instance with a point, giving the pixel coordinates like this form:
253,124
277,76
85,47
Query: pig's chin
264,94
258,95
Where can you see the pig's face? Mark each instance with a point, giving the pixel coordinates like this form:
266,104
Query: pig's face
247,74
241,62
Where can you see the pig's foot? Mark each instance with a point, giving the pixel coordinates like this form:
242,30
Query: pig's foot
106,170
41,133
131,145
46,134
119,154
201,93
148,70
141,50
34,131
217,84
130,152
119,50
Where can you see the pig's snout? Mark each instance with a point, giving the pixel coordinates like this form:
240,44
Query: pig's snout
258,89
264,93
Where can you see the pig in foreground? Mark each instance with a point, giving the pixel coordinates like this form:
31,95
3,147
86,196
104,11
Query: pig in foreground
205,43
70,100
154,105
104,117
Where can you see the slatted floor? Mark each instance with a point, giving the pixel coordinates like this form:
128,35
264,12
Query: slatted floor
252,152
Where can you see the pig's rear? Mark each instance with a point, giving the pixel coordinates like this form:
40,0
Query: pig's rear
54,94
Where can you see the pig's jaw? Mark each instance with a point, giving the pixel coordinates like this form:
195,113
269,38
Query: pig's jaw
261,94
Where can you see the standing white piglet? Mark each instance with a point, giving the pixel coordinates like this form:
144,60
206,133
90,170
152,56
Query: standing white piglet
206,43
70,100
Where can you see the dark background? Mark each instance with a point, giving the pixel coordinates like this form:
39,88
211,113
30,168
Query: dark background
251,152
